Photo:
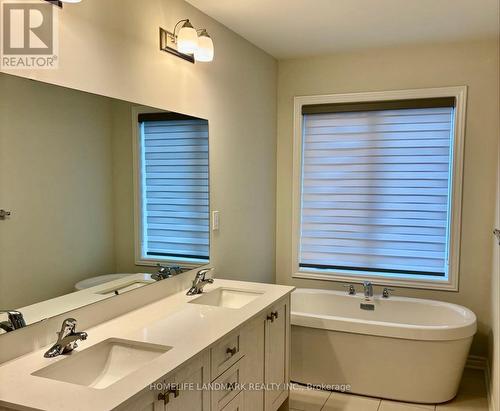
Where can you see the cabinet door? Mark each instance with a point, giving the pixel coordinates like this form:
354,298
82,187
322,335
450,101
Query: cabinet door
190,381
252,341
148,401
236,404
276,348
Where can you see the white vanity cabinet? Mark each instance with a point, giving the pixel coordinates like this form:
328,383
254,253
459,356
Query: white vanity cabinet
250,363
182,390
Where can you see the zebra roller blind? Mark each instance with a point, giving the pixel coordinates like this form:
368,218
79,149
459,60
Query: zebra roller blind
175,187
376,188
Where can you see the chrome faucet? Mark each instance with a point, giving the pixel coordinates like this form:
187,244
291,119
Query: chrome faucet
200,281
165,272
67,339
14,322
368,290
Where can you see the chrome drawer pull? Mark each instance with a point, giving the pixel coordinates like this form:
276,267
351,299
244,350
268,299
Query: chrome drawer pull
174,391
163,397
231,351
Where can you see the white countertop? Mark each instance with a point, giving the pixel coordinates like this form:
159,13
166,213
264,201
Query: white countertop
188,328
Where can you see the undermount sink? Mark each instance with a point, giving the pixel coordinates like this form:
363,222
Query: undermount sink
104,363
227,298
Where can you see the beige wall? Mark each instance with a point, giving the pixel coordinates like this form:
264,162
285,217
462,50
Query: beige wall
111,48
473,64
123,187
56,177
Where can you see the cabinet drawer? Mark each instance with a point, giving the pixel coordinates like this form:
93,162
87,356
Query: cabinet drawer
236,404
227,386
225,354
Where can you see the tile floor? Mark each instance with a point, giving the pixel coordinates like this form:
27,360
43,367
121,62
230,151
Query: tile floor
471,397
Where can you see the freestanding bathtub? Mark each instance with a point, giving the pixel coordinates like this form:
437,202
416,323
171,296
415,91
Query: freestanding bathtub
406,349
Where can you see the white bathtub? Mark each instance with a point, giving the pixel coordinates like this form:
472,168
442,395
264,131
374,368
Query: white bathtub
406,349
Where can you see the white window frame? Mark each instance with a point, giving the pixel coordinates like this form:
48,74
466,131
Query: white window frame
451,283
140,260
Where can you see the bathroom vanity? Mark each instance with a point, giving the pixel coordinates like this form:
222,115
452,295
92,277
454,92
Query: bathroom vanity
225,349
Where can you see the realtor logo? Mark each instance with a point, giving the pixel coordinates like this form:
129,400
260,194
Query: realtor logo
29,35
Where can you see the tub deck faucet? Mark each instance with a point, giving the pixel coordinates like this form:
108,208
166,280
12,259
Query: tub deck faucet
15,321
200,281
165,272
67,339
368,290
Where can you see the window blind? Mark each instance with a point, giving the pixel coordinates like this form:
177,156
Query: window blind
376,190
175,187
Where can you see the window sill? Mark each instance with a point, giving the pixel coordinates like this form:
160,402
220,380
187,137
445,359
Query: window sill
442,285
144,262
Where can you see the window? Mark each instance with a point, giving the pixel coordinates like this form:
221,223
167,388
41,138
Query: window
173,182
378,190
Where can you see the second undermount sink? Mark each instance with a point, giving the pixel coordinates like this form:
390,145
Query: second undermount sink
103,364
227,297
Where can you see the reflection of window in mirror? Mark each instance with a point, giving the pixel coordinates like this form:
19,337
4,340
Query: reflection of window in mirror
173,215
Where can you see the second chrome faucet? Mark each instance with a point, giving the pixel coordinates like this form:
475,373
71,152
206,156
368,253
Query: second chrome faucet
200,281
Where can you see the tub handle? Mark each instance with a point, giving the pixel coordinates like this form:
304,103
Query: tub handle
350,289
386,293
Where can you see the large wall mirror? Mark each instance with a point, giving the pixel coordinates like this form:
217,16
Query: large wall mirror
92,190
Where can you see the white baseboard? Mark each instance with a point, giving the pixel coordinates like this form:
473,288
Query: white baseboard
481,363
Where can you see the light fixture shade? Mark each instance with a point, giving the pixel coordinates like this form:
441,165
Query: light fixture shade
187,39
205,50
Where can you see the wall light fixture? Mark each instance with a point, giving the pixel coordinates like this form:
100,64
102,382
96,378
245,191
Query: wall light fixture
189,43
